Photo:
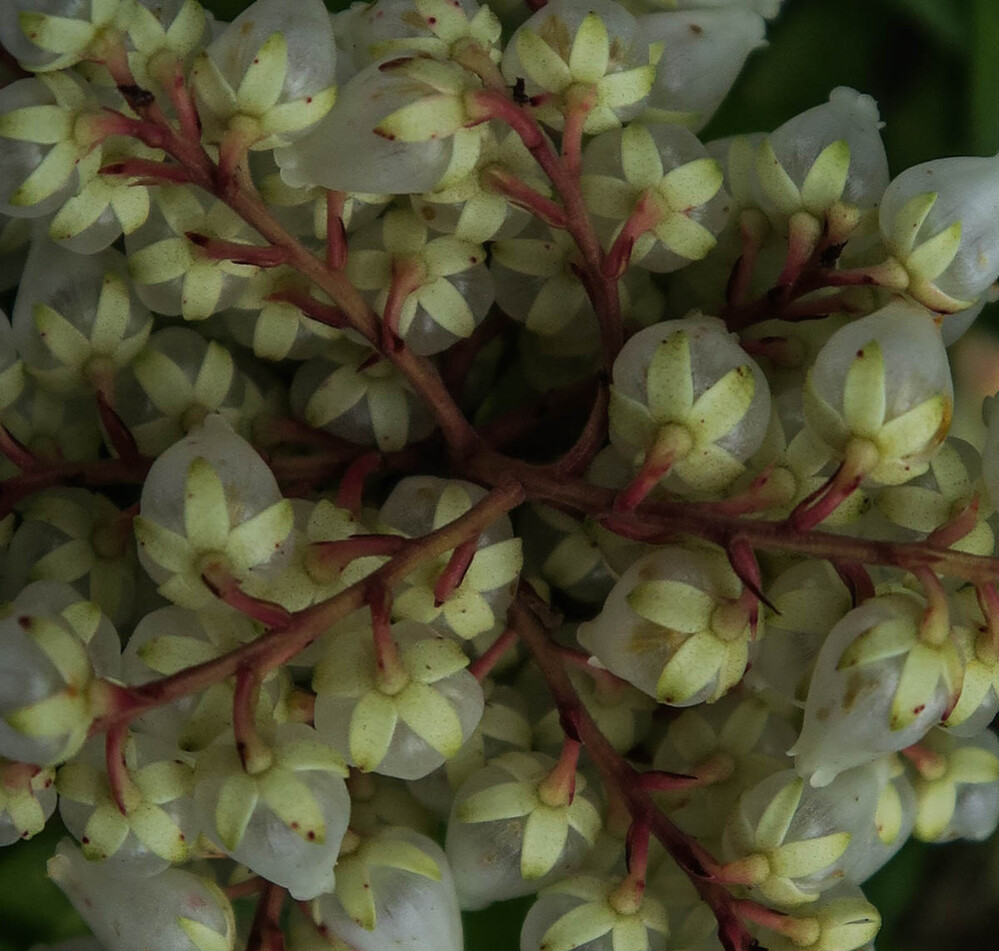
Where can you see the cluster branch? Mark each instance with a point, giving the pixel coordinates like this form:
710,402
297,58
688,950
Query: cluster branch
626,781
276,647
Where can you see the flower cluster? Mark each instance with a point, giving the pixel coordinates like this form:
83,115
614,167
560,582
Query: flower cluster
399,406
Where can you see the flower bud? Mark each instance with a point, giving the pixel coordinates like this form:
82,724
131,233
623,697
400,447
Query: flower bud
703,52
940,220
174,911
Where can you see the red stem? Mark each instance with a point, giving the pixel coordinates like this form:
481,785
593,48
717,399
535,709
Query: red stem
218,250
483,666
114,757
336,234
350,495
451,577
226,588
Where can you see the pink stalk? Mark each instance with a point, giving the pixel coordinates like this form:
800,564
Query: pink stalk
658,462
218,250
253,752
483,665
645,216
119,780
119,435
408,275
391,671
330,558
523,196
17,452
350,495
336,233
149,172
312,308
226,588
957,528
451,577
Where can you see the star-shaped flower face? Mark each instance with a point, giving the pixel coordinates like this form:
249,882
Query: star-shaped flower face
153,792
214,533
55,139
475,605
269,88
60,41
696,428
958,768
72,351
788,869
665,174
183,379
362,397
430,262
593,64
378,856
173,274
96,549
545,828
595,916
408,727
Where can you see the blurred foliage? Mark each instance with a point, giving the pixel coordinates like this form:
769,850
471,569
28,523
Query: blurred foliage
934,69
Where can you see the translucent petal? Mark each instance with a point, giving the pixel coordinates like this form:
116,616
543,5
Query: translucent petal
162,261
692,184
68,562
590,51
718,410
579,927
545,834
165,780
44,125
104,833
669,380
166,385
556,305
237,801
431,117
200,292
206,508
530,256
450,255
777,817
338,393
907,223
625,88
916,687
778,185
433,658
468,614
541,63
260,87
799,859
452,504
113,313
62,339
167,549
431,718
294,803
254,541
864,391
372,727
935,255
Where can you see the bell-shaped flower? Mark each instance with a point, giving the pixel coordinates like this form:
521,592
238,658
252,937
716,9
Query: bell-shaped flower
688,404
146,822
508,836
676,626
702,54
938,220
55,647
830,153
597,55
393,889
174,911
405,722
356,394
284,820
584,912
76,321
270,76
880,393
885,674
210,502
791,841
399,126
839,920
